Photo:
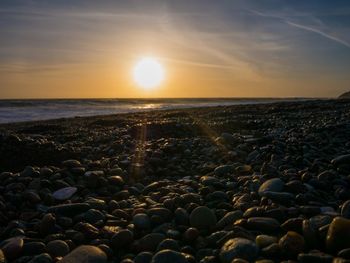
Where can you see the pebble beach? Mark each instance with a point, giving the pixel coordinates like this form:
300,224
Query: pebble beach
244,183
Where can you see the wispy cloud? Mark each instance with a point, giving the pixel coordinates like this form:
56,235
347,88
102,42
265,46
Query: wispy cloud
322,32
317,31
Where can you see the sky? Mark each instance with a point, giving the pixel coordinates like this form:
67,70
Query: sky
221,48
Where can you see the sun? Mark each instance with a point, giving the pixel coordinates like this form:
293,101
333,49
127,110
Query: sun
148,73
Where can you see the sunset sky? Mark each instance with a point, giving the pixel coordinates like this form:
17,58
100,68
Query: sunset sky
208,48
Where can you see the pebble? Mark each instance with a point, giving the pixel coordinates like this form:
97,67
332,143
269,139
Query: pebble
167,255
12,248
33,248
69,210
267,183
345,253
41,258
123,238
265,240
338,234
341,160
292,243
271,185
85,254
238,248
64,193
2,257
345,209
209,180
93,216
57,248
143,257
224,170
168,243
141,221
149,242
47,224
263,224
229,218
315,257
71,163
202,218
279,197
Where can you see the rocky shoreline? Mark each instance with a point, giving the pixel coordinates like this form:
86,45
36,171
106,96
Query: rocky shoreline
246,183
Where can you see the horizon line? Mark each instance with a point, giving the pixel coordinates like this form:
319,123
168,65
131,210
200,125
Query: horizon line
155,98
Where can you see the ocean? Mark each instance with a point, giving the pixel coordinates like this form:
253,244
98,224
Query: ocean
44,109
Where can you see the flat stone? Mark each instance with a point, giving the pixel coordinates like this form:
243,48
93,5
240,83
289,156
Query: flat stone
85,254
64,193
